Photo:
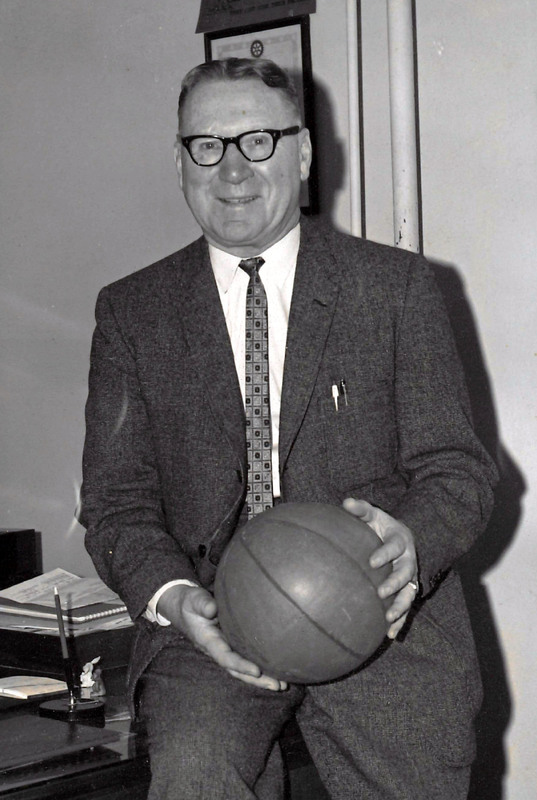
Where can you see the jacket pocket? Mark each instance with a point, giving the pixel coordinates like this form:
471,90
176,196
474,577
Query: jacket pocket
360,434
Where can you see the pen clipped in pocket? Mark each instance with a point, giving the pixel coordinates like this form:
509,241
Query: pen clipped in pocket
359,431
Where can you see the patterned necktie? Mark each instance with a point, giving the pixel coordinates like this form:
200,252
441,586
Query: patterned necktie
256,395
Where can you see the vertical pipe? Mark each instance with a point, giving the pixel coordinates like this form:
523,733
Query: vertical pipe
406,218
354,118
361,117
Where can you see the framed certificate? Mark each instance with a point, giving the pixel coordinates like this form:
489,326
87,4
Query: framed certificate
287,43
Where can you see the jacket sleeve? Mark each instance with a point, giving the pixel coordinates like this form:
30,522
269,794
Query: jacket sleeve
121,498
449,497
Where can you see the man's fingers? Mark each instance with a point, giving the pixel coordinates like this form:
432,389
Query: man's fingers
263,681
398,581
393,548
212,642
228,659
239,667
359,508
197,617
394,629
398,612
201,602
401,604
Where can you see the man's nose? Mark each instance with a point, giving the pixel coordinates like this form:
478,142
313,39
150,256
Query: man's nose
234,167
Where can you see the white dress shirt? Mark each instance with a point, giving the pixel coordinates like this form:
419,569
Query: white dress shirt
277,275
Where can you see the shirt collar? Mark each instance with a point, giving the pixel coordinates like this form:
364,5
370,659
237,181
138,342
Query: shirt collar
281,257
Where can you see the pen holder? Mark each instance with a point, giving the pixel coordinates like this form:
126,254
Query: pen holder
69,709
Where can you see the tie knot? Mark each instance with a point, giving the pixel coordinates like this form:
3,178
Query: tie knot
252,265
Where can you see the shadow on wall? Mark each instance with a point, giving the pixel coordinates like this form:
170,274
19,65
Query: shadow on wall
489,768
328,152
490,765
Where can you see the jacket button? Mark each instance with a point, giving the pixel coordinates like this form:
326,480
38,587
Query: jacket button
202,551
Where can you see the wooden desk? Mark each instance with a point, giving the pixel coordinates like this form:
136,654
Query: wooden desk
119,770
111,771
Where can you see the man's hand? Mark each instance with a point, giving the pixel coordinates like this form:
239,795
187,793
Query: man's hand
397,548
193,611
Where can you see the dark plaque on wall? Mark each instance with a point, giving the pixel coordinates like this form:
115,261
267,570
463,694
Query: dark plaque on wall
20,555
219,15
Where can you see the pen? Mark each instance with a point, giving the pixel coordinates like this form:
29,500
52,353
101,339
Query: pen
67,665
335,395
344,390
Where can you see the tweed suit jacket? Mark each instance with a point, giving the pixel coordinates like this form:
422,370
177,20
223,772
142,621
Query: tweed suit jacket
165,460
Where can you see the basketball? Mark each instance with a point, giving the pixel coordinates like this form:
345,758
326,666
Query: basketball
296,595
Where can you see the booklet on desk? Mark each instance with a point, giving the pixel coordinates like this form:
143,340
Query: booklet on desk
26,687
82,599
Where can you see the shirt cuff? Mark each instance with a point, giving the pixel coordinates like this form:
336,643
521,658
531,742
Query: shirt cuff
151,612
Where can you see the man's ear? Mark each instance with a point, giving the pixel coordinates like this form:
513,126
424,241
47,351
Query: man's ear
305,151
178,161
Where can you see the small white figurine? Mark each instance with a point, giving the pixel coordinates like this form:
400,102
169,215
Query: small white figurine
91,682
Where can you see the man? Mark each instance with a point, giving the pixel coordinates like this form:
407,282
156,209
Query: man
367,408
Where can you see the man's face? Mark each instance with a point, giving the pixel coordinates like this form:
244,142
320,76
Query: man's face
243,207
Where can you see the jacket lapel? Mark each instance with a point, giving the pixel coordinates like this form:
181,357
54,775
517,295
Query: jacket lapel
206,334
315,295
314,301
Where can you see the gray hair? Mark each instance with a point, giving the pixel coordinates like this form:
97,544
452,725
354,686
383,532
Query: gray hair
235,69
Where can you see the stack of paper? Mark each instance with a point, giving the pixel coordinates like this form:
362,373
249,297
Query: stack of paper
87,605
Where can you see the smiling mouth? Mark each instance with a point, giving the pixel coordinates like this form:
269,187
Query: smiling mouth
237,201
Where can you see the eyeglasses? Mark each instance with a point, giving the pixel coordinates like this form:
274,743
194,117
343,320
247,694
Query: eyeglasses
207,151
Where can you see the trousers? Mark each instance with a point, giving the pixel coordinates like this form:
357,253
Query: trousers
399,728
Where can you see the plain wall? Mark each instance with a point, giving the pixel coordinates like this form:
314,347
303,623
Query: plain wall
89,193
477,74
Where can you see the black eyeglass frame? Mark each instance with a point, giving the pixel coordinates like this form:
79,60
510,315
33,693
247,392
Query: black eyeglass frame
236,140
